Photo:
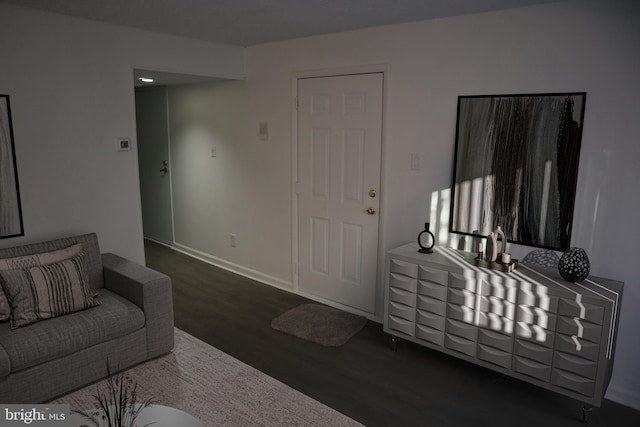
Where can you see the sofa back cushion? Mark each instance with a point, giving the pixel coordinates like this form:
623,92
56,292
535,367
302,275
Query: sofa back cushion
90,250
28,261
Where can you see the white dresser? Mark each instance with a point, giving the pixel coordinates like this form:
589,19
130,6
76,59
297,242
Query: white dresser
529,324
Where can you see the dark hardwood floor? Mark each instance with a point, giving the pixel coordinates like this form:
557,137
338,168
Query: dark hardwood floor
363,379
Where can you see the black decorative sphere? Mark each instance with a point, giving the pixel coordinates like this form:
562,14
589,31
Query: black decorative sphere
574,265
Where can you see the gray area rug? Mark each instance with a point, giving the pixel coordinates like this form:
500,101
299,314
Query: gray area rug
324,325
218,390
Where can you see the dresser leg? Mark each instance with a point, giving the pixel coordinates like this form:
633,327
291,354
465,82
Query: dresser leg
586,412
394,343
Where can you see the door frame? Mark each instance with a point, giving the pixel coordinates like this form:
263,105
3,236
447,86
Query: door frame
335,72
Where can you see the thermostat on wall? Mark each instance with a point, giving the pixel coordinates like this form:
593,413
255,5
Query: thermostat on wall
123,144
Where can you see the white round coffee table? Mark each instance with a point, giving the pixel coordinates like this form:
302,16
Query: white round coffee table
156,415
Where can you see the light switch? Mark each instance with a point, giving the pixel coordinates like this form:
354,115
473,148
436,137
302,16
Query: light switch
263,131
415,161
213,151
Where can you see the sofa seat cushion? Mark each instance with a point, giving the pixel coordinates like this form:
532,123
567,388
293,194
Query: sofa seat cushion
60,336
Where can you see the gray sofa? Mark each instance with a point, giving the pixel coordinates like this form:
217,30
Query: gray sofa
132,323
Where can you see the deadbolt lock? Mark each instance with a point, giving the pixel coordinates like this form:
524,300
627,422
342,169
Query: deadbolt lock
372,193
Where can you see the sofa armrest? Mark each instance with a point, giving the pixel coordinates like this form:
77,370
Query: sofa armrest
148,289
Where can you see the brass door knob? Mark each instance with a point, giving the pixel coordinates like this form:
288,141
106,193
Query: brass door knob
371,210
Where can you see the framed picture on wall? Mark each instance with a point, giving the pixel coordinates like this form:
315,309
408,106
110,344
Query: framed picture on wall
10,208
516,166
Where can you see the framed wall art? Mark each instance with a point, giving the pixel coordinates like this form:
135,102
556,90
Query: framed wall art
10,209
516,166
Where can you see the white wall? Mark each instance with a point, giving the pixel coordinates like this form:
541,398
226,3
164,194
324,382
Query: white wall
70,83
572,46
237,192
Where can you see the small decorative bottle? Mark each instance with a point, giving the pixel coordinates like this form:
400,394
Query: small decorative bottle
426,248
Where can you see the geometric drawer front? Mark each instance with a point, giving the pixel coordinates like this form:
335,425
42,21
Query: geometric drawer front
429,319
460,312
497,306
406,268
532,368
496,340
495,356
432,275
507,292
533,351
461,329
461,297
535,333
577,346
433,290
459,344
429,334
577,365
571,308
402,297
577,383
460,282
580,328
405,283
496,323
432,305
536,316
401,325
403,311
537,299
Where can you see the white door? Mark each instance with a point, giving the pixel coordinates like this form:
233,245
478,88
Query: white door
153,163
339,151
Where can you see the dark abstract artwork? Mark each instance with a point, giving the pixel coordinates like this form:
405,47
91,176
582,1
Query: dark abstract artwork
516,166
10,211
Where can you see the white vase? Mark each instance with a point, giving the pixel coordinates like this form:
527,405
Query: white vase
500,233
492,247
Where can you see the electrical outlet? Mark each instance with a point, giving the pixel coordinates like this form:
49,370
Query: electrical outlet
233,240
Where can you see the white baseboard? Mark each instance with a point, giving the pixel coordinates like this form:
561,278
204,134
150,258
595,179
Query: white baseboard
158,242
625,397
339,306
234,268
264,278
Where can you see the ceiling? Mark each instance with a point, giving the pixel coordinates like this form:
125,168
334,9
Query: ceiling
251,22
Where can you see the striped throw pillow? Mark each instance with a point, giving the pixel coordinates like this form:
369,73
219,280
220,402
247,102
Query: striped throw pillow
26,261
46,291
